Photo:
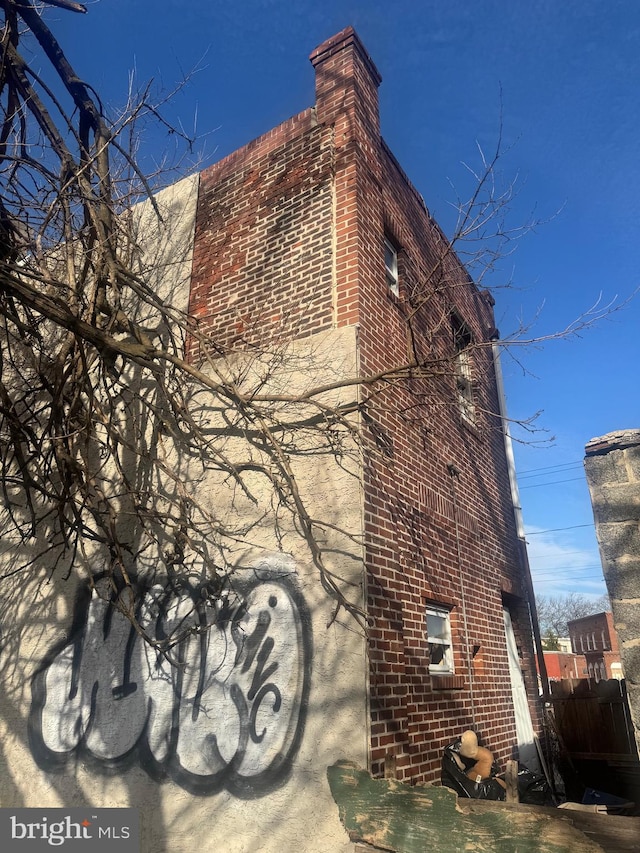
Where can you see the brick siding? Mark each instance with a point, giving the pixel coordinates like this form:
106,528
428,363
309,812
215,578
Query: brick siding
289,241
262,264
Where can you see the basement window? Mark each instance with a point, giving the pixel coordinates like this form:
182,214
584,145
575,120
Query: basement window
391,267
439,640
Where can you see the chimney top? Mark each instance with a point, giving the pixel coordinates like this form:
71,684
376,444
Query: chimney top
342,40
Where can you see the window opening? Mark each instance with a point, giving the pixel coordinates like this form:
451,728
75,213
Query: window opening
439,640
391,267
463,370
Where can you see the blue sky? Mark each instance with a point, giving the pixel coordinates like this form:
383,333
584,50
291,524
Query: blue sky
566,77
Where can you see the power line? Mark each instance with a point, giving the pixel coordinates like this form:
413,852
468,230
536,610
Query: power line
568,567
550,467
555,556
557,469
558,529
552,483
566,570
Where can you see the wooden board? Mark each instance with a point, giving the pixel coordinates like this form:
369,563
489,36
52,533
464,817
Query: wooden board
393,816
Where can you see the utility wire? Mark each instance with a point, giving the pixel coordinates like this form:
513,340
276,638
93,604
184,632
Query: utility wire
575,569
552,483
560,469
529,471
564,554
566,571
558,529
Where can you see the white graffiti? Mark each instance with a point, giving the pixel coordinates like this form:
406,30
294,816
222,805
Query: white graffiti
228,712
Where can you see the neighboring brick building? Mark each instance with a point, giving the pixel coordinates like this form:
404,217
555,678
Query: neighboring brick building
595,637
315,227
560,665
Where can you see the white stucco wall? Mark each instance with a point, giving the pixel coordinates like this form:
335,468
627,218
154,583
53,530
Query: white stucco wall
229,750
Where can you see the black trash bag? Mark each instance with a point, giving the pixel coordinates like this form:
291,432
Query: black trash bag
455,778
533,789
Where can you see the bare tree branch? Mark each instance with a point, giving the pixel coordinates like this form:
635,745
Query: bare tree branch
104,407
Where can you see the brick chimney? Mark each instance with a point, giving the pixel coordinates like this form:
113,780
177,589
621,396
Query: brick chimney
347,88
347,99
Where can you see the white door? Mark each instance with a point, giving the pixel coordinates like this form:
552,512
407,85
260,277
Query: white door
524,728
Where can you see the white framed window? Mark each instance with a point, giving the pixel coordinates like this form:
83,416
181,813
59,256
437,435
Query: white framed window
439,639
391,267
463,369
464,385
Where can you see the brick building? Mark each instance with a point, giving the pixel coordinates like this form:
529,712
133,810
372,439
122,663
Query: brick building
314,227
310,265
595,637
563,665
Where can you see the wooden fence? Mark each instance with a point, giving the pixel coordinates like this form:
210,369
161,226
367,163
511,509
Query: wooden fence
593,720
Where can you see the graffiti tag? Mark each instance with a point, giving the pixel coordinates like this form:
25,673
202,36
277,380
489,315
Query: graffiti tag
229,712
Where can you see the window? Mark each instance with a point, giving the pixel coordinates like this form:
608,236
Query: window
463,370
439,640
391,267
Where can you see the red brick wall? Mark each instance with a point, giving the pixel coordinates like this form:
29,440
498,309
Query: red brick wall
289,241
594,630
415,551
564,665
262,264
595,627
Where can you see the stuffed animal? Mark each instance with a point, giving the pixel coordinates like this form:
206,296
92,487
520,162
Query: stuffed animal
480,755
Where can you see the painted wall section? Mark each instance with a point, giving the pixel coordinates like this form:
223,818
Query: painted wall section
230,746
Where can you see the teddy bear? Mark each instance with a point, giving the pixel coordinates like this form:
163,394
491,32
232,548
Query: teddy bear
482,757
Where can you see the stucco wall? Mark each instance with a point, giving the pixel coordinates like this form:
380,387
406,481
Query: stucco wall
228,749
612,466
